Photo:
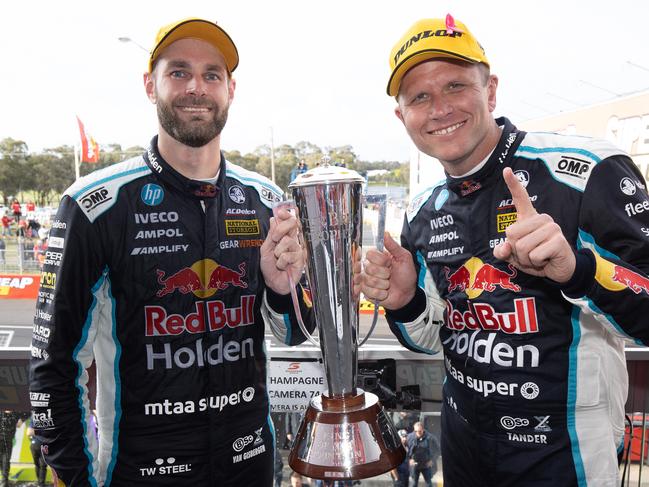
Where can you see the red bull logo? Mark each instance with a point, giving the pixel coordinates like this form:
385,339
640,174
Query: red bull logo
474,277
483,316
204,278
630,279
617,278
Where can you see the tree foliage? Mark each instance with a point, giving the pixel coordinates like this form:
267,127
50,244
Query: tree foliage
47,174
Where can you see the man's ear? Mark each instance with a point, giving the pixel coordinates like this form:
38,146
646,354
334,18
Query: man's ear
397,112
149,87
492,87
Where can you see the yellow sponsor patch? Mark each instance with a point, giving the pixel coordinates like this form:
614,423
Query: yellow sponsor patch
504,220
241,227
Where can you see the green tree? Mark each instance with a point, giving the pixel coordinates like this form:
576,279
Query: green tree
14,168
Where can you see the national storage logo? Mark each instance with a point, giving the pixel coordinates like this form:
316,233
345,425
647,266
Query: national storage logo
241,227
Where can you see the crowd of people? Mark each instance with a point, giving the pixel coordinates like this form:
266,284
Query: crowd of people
26,234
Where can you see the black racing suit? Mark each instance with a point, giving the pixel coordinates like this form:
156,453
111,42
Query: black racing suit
157,279
536,375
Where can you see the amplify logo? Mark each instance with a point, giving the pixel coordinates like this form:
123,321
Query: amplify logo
204,278
474,277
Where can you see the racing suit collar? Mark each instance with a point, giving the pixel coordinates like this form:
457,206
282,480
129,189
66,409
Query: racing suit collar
197,189
509,140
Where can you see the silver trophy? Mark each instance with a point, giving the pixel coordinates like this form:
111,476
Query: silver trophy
345,433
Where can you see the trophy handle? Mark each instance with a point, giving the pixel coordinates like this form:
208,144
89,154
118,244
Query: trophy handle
381,201
289,205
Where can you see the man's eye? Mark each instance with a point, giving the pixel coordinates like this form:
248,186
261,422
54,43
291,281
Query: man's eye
212,77
455,86
178,74
421,97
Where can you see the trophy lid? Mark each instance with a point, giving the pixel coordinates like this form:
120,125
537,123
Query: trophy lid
326,174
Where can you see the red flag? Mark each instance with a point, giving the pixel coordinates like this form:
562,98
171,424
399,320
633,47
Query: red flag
89,147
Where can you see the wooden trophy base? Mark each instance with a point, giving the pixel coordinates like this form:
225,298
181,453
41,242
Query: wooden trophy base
346,438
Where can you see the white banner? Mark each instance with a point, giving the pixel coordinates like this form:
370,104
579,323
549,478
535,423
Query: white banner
291,384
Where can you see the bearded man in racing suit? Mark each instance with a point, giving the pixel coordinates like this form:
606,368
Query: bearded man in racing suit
527,265
163,270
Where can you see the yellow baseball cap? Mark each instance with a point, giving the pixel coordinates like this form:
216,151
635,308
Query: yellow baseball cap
428,39
198,29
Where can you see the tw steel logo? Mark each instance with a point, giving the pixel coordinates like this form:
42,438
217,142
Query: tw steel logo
474,277
203,278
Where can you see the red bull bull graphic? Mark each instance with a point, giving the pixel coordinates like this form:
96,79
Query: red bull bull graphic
204,278
630,279
473,277
617,278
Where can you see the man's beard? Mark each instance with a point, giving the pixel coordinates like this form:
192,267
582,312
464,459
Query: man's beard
191,133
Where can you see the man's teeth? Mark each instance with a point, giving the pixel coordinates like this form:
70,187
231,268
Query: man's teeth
447,130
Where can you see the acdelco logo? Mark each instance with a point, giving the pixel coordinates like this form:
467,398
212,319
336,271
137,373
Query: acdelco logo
97,197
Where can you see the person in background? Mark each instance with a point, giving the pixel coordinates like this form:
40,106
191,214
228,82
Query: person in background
509,267
401,474
296,480
3,250
423,451
6,224
299,169
16,210
169,269
9,422
39,462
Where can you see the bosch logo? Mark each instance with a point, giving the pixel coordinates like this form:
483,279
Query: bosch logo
240,443
510,423
529,390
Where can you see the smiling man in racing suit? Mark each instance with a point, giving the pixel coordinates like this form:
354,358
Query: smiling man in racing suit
163,270
527,265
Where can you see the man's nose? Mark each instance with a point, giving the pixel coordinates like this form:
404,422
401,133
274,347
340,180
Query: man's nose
440,106
195,86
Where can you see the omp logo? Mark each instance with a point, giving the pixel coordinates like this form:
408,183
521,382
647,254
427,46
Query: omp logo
573,166
92,200
268,195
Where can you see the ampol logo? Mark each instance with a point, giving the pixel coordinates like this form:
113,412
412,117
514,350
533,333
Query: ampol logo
474,276
204,278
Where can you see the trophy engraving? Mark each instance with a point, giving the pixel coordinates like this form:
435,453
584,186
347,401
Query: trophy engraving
345,434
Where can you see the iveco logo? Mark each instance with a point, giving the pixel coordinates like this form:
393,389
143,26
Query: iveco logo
97,197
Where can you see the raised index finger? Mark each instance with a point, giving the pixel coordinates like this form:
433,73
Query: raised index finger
520,197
